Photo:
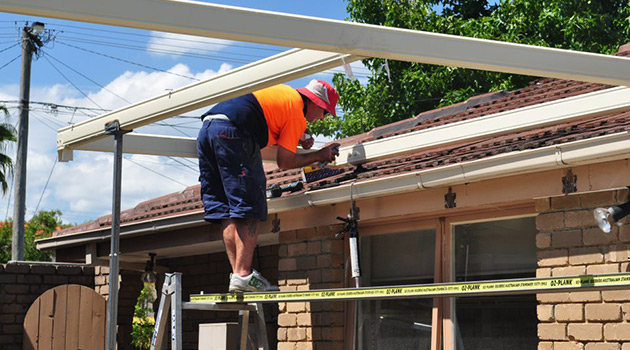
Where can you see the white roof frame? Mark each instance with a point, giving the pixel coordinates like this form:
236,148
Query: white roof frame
616,99
292,64
233,23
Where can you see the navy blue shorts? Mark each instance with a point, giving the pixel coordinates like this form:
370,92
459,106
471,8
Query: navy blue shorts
232,178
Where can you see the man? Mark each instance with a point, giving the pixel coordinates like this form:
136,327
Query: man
233,183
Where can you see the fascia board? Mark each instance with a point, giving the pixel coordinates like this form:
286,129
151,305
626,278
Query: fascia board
592,104
285,66
242,24
127,230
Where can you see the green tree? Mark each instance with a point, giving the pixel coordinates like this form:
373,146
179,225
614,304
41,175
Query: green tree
411,88
42,225
143,318
7,135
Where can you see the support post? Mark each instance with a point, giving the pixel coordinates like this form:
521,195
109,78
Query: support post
160,320
176,312
19,205
113,128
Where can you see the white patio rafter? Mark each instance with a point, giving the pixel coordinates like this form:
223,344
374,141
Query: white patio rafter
233,23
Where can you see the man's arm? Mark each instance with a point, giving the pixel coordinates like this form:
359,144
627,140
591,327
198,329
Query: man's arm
289,160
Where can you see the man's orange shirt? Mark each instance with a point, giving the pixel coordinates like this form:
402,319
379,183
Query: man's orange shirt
283,108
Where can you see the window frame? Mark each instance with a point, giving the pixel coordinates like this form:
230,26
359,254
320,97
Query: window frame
443,312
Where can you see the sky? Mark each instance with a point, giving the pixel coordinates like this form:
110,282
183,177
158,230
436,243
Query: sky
85,70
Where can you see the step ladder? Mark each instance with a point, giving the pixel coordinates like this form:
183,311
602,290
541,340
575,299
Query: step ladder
171,298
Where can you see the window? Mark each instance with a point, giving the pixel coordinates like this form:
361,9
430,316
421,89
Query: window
495,250
468,247
393,259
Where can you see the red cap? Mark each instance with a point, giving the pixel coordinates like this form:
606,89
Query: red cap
322,94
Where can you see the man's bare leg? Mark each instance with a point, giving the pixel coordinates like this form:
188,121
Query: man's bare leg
239,237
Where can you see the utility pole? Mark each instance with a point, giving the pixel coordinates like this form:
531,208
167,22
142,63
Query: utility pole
30,44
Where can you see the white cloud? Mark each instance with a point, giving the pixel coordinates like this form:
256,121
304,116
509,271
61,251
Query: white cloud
177,44
82,188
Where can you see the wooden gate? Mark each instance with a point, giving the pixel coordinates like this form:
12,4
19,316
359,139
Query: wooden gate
67,317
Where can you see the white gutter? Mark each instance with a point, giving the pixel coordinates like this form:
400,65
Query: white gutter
587,105
589,151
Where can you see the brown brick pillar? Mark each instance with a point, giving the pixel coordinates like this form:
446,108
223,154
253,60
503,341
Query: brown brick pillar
311,259
570,243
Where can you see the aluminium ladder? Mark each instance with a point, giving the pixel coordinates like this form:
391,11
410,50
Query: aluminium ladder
171,298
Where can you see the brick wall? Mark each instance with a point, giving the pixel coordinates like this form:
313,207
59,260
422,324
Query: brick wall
570,243
210,273
311,259
21,284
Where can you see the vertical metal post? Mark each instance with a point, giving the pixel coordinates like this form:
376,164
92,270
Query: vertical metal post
263,342
113,128
243,320
176,312
19,205
161,318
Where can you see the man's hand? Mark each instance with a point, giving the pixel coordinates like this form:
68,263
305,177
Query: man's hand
290,160
307,141
329,153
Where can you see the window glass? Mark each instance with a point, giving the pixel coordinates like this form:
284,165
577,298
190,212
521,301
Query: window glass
395,259
496,250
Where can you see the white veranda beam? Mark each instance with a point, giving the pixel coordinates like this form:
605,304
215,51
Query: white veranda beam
234,23
292,64
160,145
592,104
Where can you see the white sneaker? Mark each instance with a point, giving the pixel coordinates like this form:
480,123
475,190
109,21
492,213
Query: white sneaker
255,282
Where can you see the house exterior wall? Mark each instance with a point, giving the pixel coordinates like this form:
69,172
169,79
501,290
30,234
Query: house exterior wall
311,259
21,284
570,243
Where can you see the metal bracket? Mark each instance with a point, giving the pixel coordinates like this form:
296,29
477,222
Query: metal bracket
112,127
352,220
569,182
275,224
449,199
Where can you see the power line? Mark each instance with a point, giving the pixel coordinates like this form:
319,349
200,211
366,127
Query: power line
6,48
162,51
84,76
153,171
8,63
127,61
59,105
163,47
182,163
68,80
44,123
45,186
184,38
222,57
